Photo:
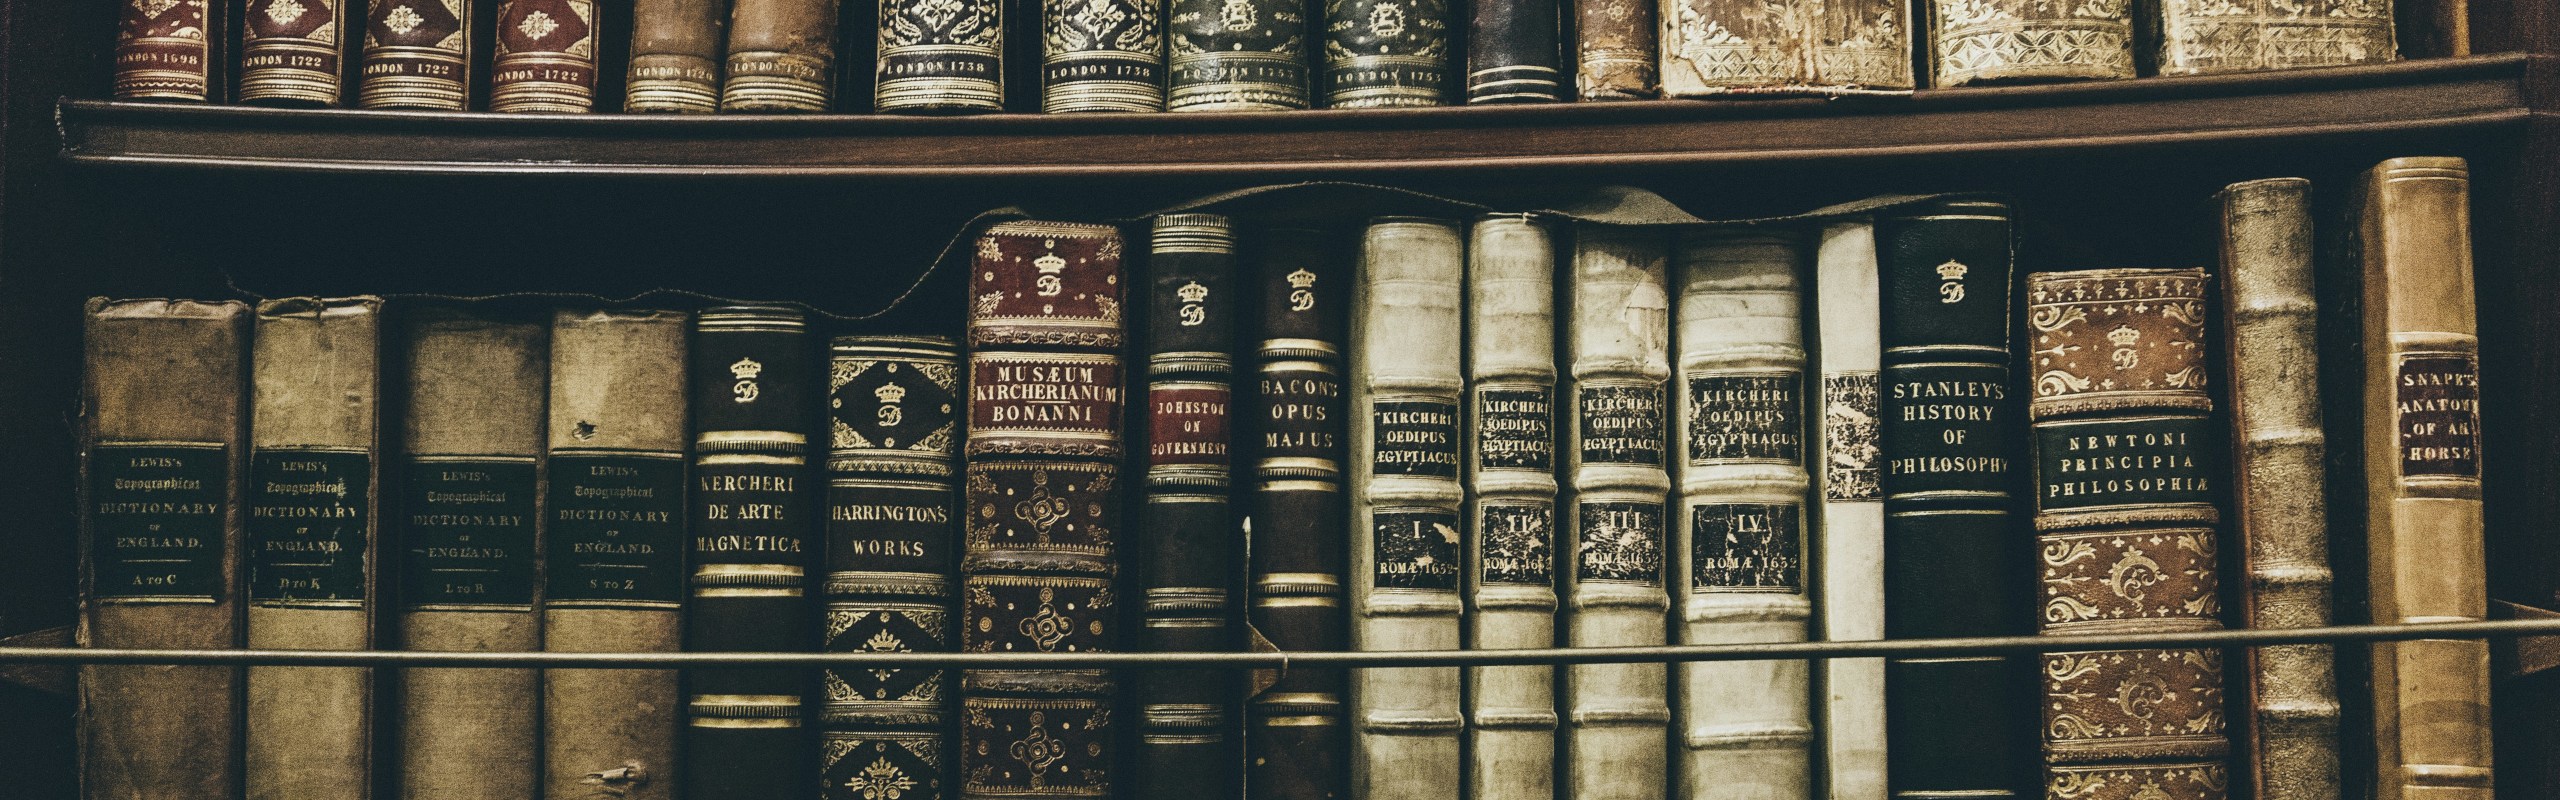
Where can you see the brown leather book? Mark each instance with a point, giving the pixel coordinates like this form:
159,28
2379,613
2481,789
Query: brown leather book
546,57
1616,49
291,52
2127,469
782,56
2029,41
163,458
165,50
417,55
675,56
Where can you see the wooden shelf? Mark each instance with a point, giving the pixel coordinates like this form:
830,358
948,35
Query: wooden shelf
2325,105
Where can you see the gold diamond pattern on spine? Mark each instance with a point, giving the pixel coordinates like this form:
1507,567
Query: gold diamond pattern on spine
416,55
940,55
1976,41
546,57
289,51
161,53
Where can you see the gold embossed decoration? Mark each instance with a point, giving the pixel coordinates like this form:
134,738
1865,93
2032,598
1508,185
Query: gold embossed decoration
1977,41
1712,47
2209,36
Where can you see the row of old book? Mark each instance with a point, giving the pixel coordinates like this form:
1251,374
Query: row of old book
949,56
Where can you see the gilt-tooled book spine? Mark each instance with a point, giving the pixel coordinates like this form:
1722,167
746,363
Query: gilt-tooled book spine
936,56
164,49
1849,523
2020,41
1185,716
1042,499
315,438
893,542
754,377
545,60
417,55
781,56
469,508
1386,53
1738,533
2128,463
1618,346
1512,52
1101,55
291,51
613,550
1960,726
1295,739
675,56
164,459
1236,55
2198,37
1405,549
1615,49
2287,717
1718,47
1510,568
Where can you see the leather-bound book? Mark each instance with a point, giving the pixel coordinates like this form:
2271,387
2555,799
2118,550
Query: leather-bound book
1511,515
165,400
2196,37
1954,564
1848,527
417,55
675,56
893,551
754,377
314,435
1618,346
937,57
1405,549
2433,28
164,49
1720,47
545,59
2021,41
1738,533
613,550
1295,741
1512,52
1236,55
1042,499
2127,464
2286,718
1385,53
782,56
291,51
1101,55
469,512
1615,50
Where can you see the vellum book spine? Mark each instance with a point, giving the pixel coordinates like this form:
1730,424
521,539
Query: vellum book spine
937,57
1716,47
1618,346
613,550
470,504
1510,517
291,53
675,56
893,540
164,456
314,440
2020,41
1386,53
2201,37
782,56
417,55
1101,55
1236,55
1615,49
164,49
1849,530
1738,534
545,60
1512,52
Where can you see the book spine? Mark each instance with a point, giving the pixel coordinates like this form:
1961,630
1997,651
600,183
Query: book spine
782,56
1618,345
1510,562
1849,530
2200,38
1512,53
936,57
313,467
164,51
1994,41
613,550
290,51
1295,740
470,503
545,61
1101,55
1963,725
1716,47
892,553
2289,723
1038,573
165,394
1237,55
1386,53
1615,49
675,56
2127,468
753,376
1738,546
417,55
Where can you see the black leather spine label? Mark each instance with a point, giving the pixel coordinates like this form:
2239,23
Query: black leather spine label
1947,428
156,514
1417,548
1621,542
2136,461
1621,423
1746,417
1518,541
1515,428
469,532
887,526
617,530
310,525
1416,437
1746,547
2438,395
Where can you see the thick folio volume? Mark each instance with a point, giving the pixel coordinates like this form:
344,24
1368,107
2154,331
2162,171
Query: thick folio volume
1236,55
164,50
1614,44
2128,465
1961,726
1510,518
2020,41
417,55
782,56
470,504
1294,737
613,549
936,56
314,468
1718,47
1618,343
2198,37
1848,528
675,56
1101,55
1738,534
546,57
1512,53
164,456
754,377
1385,53
893,541
291,53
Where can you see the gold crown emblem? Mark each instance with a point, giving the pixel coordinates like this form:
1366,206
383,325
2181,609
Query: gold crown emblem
1951,271
1050,264
1192,292
746,369
1302,279
2124,336
890,393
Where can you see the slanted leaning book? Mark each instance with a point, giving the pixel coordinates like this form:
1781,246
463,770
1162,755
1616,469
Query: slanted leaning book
674,66
165,50
164,456
781,56
1510,572
1718,47
1101,55
1849,522
1236,55
545,58
291,53
417,55
2023,41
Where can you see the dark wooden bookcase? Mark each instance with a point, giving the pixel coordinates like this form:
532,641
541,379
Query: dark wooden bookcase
100,198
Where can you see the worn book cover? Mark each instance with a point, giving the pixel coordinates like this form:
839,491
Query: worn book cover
1510,437
416,55
1237,55
545,56
1716,47
164,50
1101,55
2024,41
2199,37
1385,53
940,56
781,56
1848,528
674,66
1512,52
291,51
